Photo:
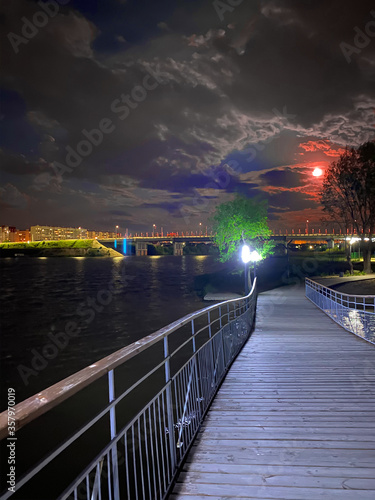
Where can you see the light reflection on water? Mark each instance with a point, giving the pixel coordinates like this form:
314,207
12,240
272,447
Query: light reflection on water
40,294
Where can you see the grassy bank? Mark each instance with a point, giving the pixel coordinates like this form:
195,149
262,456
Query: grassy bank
47,244
60,248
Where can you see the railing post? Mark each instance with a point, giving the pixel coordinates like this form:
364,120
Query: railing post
112,419
223,342
197,380
168,381
211,348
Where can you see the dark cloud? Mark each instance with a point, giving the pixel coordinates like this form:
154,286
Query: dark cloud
286,178
11,197
285,201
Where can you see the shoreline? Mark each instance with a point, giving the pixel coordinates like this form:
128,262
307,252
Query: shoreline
61,248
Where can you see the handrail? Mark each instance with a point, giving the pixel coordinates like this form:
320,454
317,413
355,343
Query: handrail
337,292
355,313
38,404
169,421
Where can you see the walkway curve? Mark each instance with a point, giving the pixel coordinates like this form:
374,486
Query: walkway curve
295,416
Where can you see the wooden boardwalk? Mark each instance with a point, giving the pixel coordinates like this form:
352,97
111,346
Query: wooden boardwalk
295,416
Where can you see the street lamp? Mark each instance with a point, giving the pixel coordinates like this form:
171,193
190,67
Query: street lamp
246,258
255,257
153,229
116,231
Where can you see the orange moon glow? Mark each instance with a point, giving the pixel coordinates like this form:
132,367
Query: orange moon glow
317,172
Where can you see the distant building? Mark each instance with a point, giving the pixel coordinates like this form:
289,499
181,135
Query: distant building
45,233
8,233
23,236
104,235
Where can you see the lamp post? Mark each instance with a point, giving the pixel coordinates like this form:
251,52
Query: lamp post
246,257
153,230
116,231
255,257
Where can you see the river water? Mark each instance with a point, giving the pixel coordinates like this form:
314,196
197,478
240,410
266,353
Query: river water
111,302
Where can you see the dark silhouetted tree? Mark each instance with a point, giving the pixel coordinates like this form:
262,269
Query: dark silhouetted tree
348,195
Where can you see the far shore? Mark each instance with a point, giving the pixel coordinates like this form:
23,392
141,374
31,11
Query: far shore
61,248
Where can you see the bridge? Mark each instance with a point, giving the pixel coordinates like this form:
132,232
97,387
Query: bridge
141,242
283,409
178,241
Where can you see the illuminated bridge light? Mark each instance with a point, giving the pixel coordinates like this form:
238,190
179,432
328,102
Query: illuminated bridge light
124,244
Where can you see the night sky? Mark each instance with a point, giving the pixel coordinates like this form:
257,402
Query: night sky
197,100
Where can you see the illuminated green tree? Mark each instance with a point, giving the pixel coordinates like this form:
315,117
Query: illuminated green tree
243,219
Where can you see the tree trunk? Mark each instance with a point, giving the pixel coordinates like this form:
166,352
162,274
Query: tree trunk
349,259
348,256
249,281
367,251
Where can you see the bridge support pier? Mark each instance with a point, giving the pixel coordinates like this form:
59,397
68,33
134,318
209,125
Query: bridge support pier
178,248
140,248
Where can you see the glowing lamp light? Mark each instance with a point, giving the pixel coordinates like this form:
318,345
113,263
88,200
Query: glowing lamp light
246,255
255,257
317,172
354,240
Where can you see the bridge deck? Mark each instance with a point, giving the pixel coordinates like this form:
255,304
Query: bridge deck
295,416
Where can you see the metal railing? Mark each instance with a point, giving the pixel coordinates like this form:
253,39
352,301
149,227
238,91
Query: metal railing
355,313
140,459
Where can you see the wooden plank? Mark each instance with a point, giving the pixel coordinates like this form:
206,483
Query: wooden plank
241,432
295,416
296,470
284,423
319,443
278,480
298,456
270,492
